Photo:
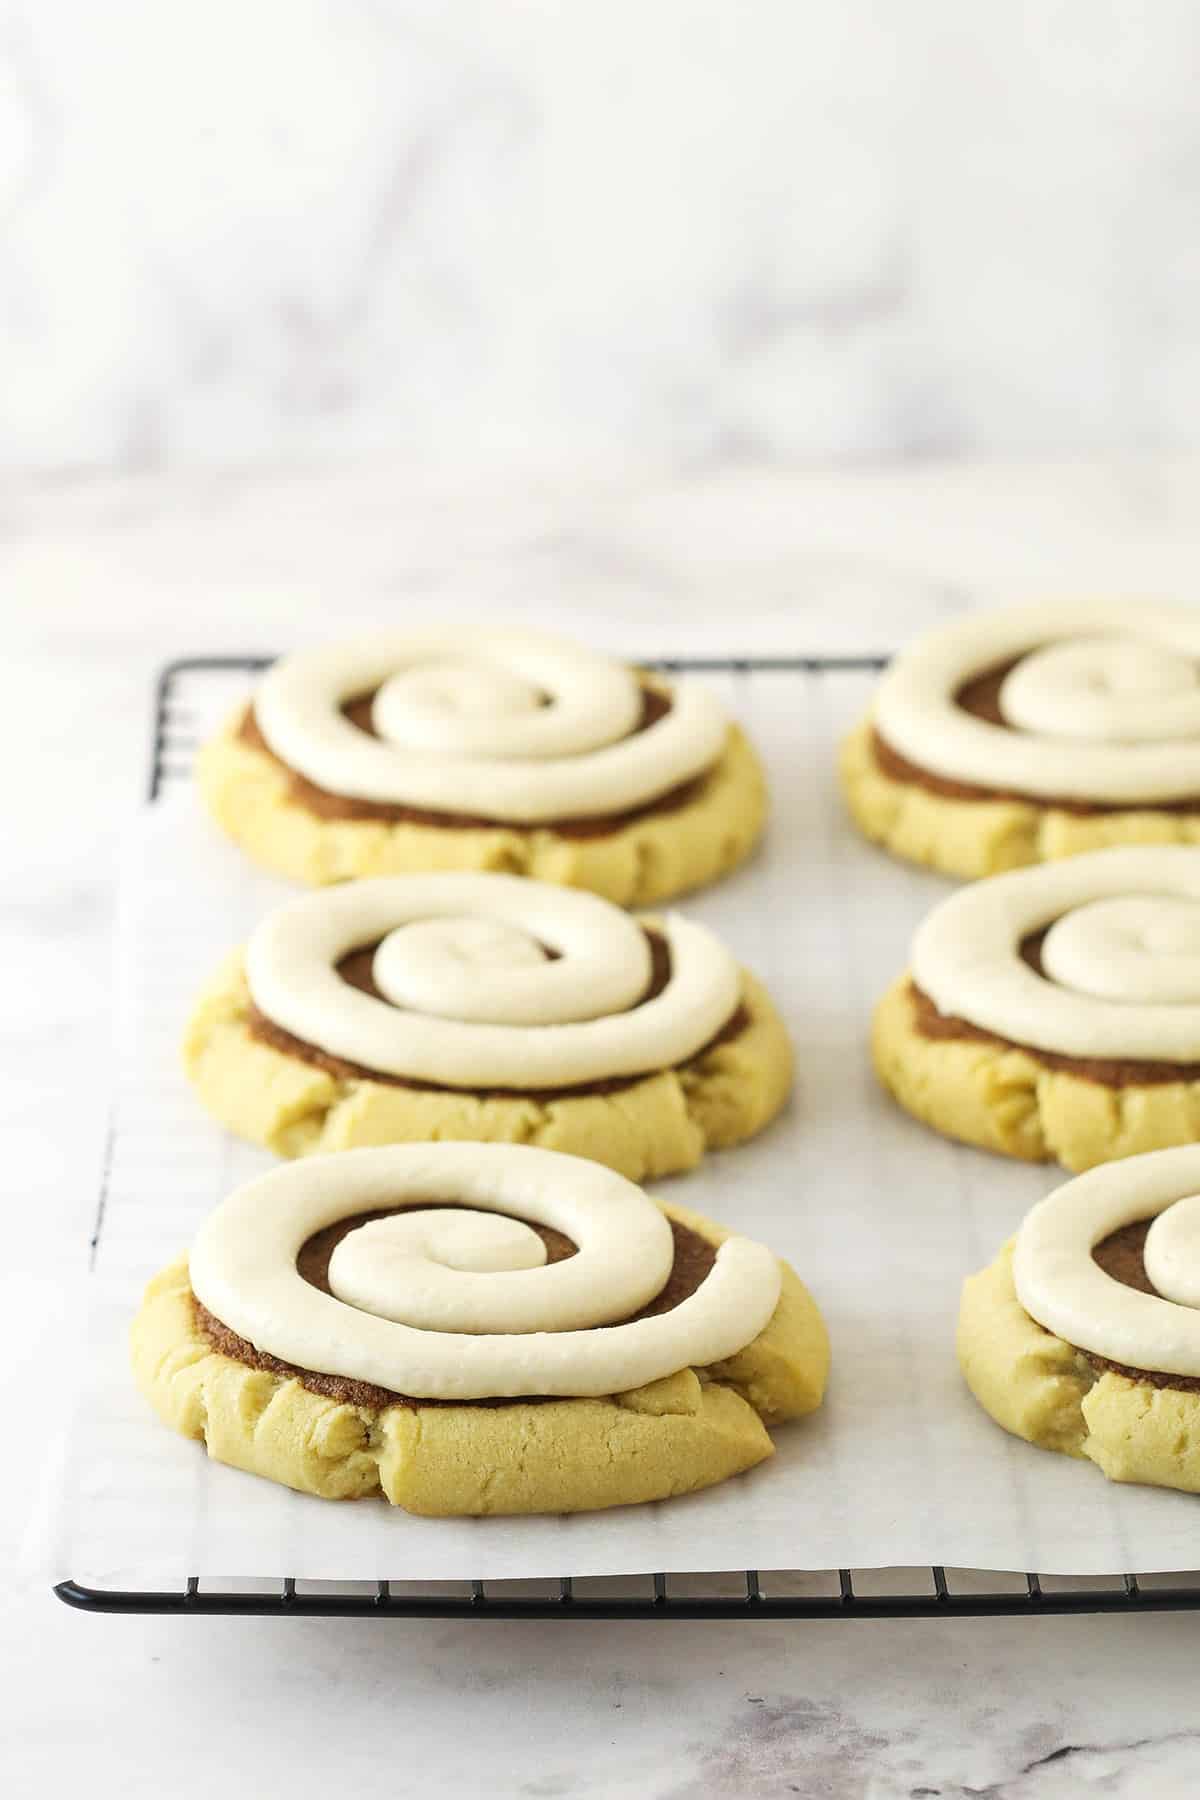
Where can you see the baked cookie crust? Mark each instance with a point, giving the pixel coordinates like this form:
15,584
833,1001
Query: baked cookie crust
673,1436
650,858
1001,1097
658,1125
1047,1392
975,838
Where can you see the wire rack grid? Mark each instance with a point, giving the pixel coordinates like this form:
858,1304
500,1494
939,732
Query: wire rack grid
936,1591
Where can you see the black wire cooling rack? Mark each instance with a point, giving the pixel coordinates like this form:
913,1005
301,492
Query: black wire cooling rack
936,1592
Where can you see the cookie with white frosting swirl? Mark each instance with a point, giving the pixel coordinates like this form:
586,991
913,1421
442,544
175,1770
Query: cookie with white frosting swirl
1054,1012
482,748
1031,733
474,1328
490,1008
1084,1335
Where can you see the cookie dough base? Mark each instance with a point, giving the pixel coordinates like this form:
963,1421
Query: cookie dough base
671,1437
1000,1097
1046,1391
656,1126
646,860
973,838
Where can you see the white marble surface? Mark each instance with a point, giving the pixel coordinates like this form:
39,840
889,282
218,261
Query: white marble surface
473,229
102,579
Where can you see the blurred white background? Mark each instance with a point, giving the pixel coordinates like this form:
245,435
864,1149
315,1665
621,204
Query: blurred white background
464,230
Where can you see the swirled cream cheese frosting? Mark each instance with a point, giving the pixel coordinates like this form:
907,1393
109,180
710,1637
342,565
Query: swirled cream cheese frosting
1099,701
1119,972
516,727
488,981
475,1329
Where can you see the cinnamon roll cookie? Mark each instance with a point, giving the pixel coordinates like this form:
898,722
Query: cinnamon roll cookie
488,749
424,1007
1084,1335
1032,733
475,1329
1055,1012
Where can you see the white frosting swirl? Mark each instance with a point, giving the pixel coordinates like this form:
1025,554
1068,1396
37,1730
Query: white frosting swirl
1060,1284
1139,949
1171,1253
519,728
1121,959
472,999
1104,705
460,1306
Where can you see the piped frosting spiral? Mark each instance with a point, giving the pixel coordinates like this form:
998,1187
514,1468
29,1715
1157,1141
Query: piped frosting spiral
1102,703
1120,957
1061,1285
506,725
460,1305
489,981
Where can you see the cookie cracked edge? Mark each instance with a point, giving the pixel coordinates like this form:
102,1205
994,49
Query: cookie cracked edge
1047,1392
659,1125
975,838
651,858
670,1437
1000,1097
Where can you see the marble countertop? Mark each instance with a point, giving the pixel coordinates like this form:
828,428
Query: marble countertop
824,230
105,578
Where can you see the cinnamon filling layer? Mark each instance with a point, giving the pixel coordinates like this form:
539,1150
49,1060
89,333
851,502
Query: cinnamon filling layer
1121,1256
694,1257
328,805
355,968
980,696
1113,1072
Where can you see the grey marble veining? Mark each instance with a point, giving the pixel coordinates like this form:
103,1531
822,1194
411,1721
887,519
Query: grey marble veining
1010,1711
475,231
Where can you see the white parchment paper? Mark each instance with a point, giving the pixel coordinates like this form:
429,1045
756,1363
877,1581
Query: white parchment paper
880,1217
